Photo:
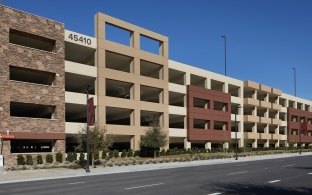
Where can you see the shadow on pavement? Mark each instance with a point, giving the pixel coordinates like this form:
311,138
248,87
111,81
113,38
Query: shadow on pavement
235,188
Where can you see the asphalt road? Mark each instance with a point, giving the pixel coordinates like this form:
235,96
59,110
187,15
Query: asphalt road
276,176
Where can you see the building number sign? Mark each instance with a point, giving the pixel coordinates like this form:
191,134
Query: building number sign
79,38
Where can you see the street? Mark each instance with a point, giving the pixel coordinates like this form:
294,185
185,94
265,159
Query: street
291,175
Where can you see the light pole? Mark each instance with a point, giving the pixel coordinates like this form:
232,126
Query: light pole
88,134
295,81
224,38
236,146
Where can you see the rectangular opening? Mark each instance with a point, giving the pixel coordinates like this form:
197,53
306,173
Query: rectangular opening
294,118
78,83
150,94
31,146
76,113
261,95
261,128
177,77
217,85
117,34
118,116
248,127
220,106
302,119
20,109
176,99
282,102
233,126
282,116
282,130
79,54
31,75
291,104
249,93
294,132
150,69
272,129
307,107
198,81
119,89
201,124
220,125
261,112
118,62
234,90
176,121
31,40
309,120
150,45
235,109
201,103
148,118
248,110
299,105
273,114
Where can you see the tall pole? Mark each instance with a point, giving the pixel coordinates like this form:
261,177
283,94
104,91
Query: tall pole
88,134
224,38
295,81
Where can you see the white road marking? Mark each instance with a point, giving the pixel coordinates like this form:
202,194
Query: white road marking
274,181
241,172
75,183
288,165
216,193
309,173
241,165
155,184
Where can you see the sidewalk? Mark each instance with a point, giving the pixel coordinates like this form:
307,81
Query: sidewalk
42,174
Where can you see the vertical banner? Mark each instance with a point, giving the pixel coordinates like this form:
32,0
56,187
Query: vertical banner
304,128
91,117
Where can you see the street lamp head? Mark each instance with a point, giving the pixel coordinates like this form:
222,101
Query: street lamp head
223,36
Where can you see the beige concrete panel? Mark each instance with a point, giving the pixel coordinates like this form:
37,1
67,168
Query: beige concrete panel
251,101
148,81
101,86
276,91
265,120
151,34
116,47
265,136
177,88
118,102
251,85
250,135
149,106
275,136
264,104
81,69
283,137
78,98
177,110
122,24
121,129
265,88
116,75
276,106
151,57
276,121
74,128
136,40
250,118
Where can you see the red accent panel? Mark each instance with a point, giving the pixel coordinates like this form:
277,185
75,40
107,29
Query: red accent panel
31,135
210,134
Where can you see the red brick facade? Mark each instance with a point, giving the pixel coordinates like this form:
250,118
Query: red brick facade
208,114
294,118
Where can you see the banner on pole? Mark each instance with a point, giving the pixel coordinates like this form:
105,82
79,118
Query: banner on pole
91,110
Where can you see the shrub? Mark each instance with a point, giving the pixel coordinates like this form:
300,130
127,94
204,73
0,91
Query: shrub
116,153
71,157
29,160
130,153
111,154
49,158
163,152
136,153
81,157
20,160
96,155
39,159
104,154
59,157
123,153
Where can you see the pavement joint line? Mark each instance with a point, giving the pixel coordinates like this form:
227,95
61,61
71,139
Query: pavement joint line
288,165
216,193
75,183
241,165
150,185
274,181
241,172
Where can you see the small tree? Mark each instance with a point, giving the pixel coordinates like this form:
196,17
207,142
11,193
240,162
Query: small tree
29,160
99,140
155,138
59,157
20,160
39,159
49,158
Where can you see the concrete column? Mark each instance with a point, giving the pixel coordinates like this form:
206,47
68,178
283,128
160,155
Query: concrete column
266,114
208,83
187,79
254,112
208,145
266,144
187,145
58,146
266,99
135,142
277,144
254,128
266,129
254,96
255,144
226,145
286,144
277,130
241,143
226,88
295,145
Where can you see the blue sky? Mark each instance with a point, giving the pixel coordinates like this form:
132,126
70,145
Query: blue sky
266,38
